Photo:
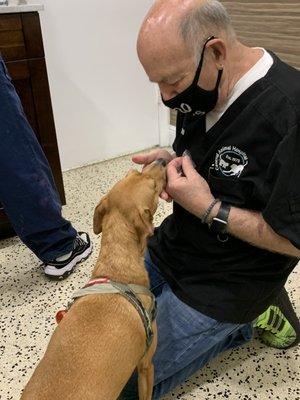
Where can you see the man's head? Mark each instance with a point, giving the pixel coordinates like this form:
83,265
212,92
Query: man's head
171,40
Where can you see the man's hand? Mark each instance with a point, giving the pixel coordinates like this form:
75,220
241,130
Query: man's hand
148,158
187,187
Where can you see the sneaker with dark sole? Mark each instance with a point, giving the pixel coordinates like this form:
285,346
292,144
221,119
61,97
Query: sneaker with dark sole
63,266
279,325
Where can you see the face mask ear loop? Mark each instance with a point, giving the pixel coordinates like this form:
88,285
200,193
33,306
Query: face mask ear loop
197,75
220,73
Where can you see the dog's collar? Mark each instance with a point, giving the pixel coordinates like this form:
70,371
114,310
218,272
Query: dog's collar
105,285
98,281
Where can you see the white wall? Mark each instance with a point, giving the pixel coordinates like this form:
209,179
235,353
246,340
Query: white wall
103,103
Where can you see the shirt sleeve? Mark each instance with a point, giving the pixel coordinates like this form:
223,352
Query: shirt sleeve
282,188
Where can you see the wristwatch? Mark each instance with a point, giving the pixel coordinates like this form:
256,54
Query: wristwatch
219,223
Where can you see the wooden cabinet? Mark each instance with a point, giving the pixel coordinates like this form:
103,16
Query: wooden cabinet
21,47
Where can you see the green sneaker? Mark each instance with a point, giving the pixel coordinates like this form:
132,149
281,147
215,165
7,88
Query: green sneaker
279,324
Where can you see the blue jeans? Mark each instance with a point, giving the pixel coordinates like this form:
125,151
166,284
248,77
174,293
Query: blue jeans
187,339
27,189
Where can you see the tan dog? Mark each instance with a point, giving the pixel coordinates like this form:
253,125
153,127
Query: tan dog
101,340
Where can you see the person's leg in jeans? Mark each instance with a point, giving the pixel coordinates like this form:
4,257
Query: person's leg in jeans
27,188
187,339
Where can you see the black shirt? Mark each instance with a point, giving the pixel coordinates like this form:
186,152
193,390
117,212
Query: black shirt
251,159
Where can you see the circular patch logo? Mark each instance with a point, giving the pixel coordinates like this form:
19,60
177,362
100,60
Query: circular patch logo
230,161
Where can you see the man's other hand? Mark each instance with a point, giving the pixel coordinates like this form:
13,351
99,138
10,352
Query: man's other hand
187,187
147,158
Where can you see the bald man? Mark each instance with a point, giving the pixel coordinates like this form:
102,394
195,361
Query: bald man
219,263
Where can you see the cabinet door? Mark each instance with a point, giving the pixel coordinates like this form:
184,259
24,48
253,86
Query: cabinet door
20,74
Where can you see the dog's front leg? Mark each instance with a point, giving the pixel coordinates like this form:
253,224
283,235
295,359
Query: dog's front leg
146,378
146,370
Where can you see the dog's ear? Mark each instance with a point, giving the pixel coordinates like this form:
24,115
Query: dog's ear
99,214
132,171
144,221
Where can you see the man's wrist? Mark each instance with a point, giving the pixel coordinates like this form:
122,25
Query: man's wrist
208,209
213,212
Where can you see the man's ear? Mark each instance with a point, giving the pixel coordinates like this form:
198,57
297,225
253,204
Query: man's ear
219,51
143,222
99,214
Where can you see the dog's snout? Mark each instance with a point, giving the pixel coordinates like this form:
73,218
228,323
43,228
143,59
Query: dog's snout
161,161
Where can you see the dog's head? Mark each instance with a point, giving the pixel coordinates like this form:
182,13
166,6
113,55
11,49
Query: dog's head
135,197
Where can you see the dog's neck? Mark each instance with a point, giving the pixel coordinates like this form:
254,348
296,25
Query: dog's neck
121,255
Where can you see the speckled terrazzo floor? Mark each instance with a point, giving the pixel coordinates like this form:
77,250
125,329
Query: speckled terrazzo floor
29,302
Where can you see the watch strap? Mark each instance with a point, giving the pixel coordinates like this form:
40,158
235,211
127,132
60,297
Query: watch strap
219,223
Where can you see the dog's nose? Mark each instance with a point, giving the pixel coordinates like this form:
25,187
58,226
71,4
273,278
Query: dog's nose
161,161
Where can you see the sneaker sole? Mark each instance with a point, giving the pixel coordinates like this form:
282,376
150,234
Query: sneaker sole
64,272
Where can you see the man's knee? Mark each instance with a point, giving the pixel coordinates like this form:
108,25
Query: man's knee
130,391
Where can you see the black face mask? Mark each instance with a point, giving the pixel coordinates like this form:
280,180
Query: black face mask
194,100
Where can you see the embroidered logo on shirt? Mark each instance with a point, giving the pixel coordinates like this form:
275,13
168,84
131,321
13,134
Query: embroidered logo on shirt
230,161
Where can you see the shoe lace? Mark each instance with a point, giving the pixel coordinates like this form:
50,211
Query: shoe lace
78,241
269,326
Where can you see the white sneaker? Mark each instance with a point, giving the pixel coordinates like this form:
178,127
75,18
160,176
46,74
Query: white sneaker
63,266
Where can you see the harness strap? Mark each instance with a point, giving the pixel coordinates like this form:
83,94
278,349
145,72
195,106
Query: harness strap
129,292
126,291
108,288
